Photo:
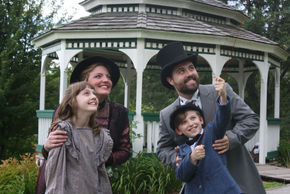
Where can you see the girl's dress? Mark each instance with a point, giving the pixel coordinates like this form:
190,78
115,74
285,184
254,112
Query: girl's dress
78,166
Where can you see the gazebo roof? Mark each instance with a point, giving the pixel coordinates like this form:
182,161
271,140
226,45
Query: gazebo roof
149,21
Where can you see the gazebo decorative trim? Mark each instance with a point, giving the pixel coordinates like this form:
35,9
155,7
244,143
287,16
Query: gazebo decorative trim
123,8
242,53
102,43
189,47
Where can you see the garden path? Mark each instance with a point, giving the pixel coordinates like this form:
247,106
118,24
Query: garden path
274,173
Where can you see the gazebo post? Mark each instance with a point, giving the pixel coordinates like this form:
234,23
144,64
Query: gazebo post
127,75
63,72
42,82
264,70
241,77
277,93
139,57
64,59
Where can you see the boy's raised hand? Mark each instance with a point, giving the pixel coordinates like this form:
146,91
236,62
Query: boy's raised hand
220,87
197,154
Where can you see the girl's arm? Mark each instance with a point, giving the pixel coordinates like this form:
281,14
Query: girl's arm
56,164
55,169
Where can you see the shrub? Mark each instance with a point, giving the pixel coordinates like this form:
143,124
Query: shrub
18,176
284,152
143,174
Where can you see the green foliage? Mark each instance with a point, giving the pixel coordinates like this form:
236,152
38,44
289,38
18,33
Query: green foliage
19,73
20,22
52,87
284,151
18,176
154,95
143,174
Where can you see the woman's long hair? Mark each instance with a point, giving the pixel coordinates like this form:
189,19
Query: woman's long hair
69,107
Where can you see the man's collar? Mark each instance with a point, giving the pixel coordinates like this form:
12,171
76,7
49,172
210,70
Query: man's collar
194,97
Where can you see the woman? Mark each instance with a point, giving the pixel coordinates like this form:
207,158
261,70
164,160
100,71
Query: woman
103,74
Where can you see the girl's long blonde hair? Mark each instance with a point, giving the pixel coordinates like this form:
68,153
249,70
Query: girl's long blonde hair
69,106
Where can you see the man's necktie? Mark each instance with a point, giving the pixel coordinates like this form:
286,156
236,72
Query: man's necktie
191,102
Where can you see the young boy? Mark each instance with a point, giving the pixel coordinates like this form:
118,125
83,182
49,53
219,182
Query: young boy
201,168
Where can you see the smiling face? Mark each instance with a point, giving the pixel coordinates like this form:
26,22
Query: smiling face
184,79
100,78
190,125
87,101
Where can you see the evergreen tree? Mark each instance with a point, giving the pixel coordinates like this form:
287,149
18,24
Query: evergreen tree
271,18
20,22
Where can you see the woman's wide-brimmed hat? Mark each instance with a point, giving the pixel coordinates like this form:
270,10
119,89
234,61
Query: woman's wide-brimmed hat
171,55
83,65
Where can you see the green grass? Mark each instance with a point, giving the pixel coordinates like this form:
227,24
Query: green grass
270,185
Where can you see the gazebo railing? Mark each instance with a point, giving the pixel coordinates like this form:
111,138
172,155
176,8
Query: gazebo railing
151,131
151,128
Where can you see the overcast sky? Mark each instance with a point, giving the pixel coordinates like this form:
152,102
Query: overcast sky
71,7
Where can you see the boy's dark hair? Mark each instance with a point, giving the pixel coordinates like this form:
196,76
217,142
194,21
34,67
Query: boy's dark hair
180,113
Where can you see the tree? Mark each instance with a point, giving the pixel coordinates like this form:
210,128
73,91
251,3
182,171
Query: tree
271,18
20,22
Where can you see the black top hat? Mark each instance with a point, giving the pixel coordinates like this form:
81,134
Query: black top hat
81,66
169,56
183,109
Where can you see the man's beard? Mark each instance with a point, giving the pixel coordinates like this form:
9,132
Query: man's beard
189,91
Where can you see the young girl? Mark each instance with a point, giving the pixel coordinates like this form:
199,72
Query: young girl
78,166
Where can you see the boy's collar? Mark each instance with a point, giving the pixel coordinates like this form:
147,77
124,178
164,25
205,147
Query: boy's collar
192,140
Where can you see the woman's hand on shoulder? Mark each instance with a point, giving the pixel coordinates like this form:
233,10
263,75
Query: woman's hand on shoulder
55,138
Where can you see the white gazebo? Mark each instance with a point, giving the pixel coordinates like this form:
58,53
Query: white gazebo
132,31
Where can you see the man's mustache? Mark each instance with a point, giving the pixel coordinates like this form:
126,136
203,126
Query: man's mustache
190,78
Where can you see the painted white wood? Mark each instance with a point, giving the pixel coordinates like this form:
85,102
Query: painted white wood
149,136
163,35
241,78
139,58
273,140
127,75
152,135
264,70
216,62
277,93
185,4
43,126
64,58
156,135
42,83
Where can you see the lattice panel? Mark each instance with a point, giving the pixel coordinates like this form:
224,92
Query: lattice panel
189,47
161,10
206,18
122,8
242,53
101,44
